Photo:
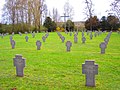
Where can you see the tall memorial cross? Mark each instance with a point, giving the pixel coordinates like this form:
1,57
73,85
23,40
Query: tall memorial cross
90,70
65,16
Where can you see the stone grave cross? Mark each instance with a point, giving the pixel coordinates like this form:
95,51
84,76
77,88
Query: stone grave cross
26,38
38,44
19,63
90,69
103,46
68,45
75,38
43,38
63,39
83,39
13,44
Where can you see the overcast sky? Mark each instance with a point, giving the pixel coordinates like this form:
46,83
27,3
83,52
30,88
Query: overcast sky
100,6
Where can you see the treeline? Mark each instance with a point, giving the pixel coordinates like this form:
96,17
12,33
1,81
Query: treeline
23,14
105,23
26,15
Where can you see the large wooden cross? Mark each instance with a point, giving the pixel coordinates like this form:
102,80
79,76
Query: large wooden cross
65,16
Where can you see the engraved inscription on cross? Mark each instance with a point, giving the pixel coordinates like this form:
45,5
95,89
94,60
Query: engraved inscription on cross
90,69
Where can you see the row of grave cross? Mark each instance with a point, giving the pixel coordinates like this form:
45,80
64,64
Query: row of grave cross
97,33
88,68
103,45
38,43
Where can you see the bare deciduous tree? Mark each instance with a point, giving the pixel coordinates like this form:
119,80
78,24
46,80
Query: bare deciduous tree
68,10
89,11
56,16
115,8
24,11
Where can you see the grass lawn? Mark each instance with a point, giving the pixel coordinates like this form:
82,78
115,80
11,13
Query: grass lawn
52,68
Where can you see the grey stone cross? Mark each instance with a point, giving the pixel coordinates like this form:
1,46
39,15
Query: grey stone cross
33,34
38,44
11,38
103,46
13,44
43,38
83,39
19,63
26,38
91,36
63,39
75,38
68,44
90,70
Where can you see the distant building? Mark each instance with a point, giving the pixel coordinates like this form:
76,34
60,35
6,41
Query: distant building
78,24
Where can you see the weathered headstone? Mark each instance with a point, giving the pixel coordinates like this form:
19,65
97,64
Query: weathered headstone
33,34
106,40
20,33
95,34
43,38
118,32
63,39
70,33
82,34
68,45
46,35
13,44
103,46
11,38
13,33
75,38
91,36
26,32
83,39
87,32
26,38
2,36
38,44
90,69
19,63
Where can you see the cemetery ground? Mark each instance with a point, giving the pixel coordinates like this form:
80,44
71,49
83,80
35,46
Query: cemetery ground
52,68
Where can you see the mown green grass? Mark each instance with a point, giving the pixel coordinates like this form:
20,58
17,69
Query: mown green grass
52,68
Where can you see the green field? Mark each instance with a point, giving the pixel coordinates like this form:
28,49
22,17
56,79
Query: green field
52,68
